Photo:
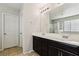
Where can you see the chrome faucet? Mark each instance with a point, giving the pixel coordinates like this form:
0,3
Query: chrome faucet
65,37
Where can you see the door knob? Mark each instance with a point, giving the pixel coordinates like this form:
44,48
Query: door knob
20,33
5,33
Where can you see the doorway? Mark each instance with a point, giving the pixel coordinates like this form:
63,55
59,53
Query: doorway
10,34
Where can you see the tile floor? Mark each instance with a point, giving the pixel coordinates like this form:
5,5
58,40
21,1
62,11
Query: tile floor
33,53
11,51
16,51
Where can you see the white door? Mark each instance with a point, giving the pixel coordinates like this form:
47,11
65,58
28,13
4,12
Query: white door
11,30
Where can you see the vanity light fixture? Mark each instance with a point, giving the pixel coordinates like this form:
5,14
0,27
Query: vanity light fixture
45,9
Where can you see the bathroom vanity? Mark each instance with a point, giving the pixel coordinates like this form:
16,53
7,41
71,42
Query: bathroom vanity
49,46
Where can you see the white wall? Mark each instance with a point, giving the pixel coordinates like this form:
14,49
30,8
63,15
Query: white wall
44,18
9,9
30,24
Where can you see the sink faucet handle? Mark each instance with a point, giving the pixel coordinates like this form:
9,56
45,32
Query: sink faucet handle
65,37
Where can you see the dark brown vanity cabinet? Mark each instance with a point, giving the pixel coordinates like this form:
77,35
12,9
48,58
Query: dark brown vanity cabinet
47,47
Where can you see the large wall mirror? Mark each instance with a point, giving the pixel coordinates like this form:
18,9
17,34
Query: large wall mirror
65,26
65,19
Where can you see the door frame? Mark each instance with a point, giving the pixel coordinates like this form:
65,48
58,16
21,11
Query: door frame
3,14
3,30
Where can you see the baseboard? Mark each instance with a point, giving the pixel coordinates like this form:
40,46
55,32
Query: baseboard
28,51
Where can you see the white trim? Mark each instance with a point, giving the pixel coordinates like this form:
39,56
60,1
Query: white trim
28,51
2,31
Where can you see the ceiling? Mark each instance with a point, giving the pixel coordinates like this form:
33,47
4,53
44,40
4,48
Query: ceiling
12,5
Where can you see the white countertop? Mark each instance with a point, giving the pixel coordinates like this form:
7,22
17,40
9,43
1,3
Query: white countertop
51,37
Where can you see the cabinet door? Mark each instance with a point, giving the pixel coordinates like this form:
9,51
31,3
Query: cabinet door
53,51
40,46
44,46
36,44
